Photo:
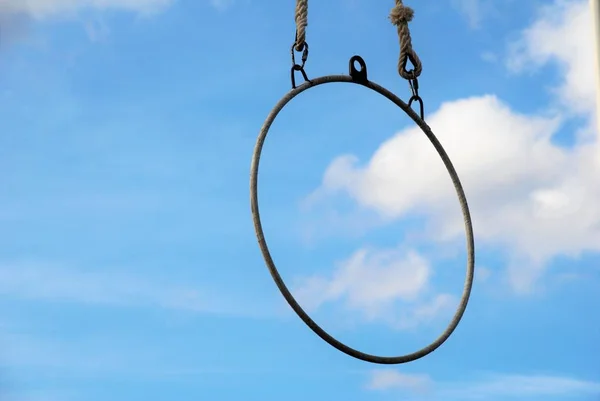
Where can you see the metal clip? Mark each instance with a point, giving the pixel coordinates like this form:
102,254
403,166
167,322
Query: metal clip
414,88
299,67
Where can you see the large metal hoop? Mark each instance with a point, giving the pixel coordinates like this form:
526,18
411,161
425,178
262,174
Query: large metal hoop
360,77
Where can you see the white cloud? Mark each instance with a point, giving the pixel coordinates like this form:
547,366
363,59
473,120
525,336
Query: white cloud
526,386
40,9
492,387
387,379
471,9
476,11
97,30
17,15
483,274
536,199
221,4
563,35
88,356
489,57
375,282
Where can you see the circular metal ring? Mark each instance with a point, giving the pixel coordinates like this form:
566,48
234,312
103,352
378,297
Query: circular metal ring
271,265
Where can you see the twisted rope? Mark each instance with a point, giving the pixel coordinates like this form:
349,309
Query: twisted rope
401,16
301,23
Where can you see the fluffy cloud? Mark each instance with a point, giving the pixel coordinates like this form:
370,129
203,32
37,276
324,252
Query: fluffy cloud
491,387
375,283
527,194
563,35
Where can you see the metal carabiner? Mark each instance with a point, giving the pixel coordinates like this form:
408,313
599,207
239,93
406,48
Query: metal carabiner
299,67
414,88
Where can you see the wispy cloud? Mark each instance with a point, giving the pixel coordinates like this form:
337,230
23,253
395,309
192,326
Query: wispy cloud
53,357
41,395
489,387
388,379
17,15
472,10
36,281
477,11
221,4
517,386
40,9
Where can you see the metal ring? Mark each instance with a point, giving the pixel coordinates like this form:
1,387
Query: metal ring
271,265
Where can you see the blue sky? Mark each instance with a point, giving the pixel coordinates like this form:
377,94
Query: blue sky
129,269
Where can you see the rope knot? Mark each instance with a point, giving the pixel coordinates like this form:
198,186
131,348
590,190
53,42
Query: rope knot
401,14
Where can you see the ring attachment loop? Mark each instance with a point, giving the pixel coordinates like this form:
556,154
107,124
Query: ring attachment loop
269,260
414,88
359,76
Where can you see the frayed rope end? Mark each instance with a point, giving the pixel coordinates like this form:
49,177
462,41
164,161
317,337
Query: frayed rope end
401,15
